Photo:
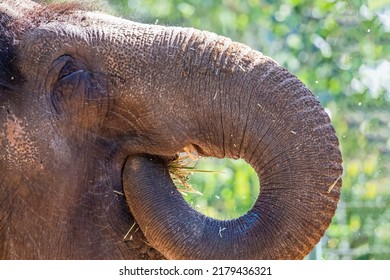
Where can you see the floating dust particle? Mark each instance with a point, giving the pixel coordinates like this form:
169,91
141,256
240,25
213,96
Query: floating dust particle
120,193
220,231
147,243
242,68
334,184
128,232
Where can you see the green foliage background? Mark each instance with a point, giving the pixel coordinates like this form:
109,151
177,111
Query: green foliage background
341,51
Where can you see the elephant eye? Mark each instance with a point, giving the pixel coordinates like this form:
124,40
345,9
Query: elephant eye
69,68
61,68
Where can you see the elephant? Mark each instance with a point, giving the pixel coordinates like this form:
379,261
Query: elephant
94,108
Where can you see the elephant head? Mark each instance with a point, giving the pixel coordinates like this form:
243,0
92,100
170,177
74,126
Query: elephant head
92,106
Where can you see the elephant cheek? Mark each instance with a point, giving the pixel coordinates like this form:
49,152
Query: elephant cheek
18,145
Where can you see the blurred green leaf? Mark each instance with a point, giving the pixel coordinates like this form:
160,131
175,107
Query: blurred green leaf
377,4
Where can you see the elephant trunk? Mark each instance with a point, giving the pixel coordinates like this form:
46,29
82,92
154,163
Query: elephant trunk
230,101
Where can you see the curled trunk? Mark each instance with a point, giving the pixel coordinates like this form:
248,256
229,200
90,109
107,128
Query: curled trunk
230,101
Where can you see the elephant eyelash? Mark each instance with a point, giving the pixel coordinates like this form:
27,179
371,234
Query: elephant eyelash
68,69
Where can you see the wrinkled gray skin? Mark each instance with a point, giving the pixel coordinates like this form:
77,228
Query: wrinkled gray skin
92,105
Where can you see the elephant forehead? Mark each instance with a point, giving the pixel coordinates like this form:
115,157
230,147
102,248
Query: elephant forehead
17,144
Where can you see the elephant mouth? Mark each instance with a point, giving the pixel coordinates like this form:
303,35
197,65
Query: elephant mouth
222,189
